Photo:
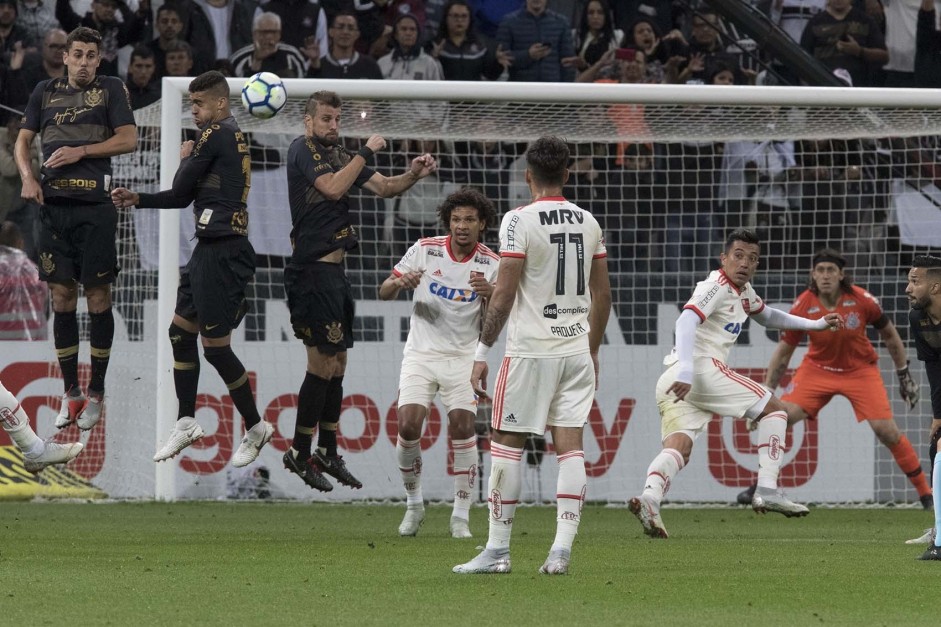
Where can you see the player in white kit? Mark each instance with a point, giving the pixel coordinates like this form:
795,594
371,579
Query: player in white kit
698,382
553,289
37,454
452,277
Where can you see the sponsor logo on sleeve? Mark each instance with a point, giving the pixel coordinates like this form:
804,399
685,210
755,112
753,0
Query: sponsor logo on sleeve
708,297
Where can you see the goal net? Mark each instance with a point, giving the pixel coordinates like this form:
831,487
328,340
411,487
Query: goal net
666,169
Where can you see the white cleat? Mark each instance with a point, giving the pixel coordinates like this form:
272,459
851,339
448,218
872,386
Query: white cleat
647,511
252,443
412,521
460,528
490,561
557,563
72,408
926,538
771,500
52,453
94,410
185,432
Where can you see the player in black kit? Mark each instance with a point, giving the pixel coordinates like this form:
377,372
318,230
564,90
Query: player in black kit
320,174
924,294
215,175
83,120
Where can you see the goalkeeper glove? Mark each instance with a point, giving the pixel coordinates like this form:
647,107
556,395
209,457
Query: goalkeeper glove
908,389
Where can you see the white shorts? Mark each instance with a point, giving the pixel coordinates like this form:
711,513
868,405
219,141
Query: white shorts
717,390
423,377
532,393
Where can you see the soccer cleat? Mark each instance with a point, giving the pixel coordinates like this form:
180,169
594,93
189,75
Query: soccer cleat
745,496
334,466
414,517
94,410
185,432
52,453
252,443
648,513
72,407
460,528
933,553
557,563
771,500
490,561
308,473
927,501
926,538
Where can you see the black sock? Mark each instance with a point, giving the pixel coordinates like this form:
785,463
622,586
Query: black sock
327,435
236,379
310,402
65,333
185,369
101,331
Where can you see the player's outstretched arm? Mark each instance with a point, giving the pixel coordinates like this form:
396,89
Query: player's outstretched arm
498,312
391,287
32,190
777,319
387,187
335,185
778,364
908,387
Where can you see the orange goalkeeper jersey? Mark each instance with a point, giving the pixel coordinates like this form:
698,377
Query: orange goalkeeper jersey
847,348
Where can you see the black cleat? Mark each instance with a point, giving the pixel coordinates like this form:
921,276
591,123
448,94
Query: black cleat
933,554
334,466
927,501
745,496
307,471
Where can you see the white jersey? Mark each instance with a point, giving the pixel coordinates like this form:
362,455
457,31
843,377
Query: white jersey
446,314
723,308
559,240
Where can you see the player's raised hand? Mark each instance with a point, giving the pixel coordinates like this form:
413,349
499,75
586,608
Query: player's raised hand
834,321
424,165
124,198
376,143
908,388
479,379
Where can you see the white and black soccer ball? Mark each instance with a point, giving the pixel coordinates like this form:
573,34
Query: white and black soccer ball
263,95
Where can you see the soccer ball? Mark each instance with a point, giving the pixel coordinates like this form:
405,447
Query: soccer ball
263,95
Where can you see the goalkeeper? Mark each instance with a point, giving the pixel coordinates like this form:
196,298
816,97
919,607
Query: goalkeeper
845,363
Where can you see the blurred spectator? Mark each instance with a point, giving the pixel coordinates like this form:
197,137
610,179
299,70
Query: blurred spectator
37,17
343,61
666,15
631,226
132,28
540,42
303,25
462,53
434,16
705,48
490,13
792,15
843,36
23,300
169,27
12,35
487,164
928,47
901,27
26,70
216,28
179,59
268,53
595,34
12,206
376,20
624,65
408,61
144,90
663,54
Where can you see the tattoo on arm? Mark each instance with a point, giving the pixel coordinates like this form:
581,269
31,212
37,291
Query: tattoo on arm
493,325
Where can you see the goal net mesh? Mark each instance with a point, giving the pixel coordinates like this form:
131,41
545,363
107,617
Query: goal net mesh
666,181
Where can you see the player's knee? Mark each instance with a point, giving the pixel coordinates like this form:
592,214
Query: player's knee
183,344
226,364
98,298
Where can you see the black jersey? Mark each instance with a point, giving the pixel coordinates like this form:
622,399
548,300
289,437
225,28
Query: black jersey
320,225
927,337
68,116
215,178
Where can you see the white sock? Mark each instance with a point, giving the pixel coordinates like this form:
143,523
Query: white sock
661,471
465,475
569,498
771,447
408,453
506,478
16,423
935,482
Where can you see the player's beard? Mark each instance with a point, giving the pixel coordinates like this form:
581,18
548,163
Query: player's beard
328,141
921,303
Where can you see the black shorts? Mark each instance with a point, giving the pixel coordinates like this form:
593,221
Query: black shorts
78,243
214,282
321,302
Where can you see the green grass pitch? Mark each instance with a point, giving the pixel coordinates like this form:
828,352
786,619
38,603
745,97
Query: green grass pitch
315,564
